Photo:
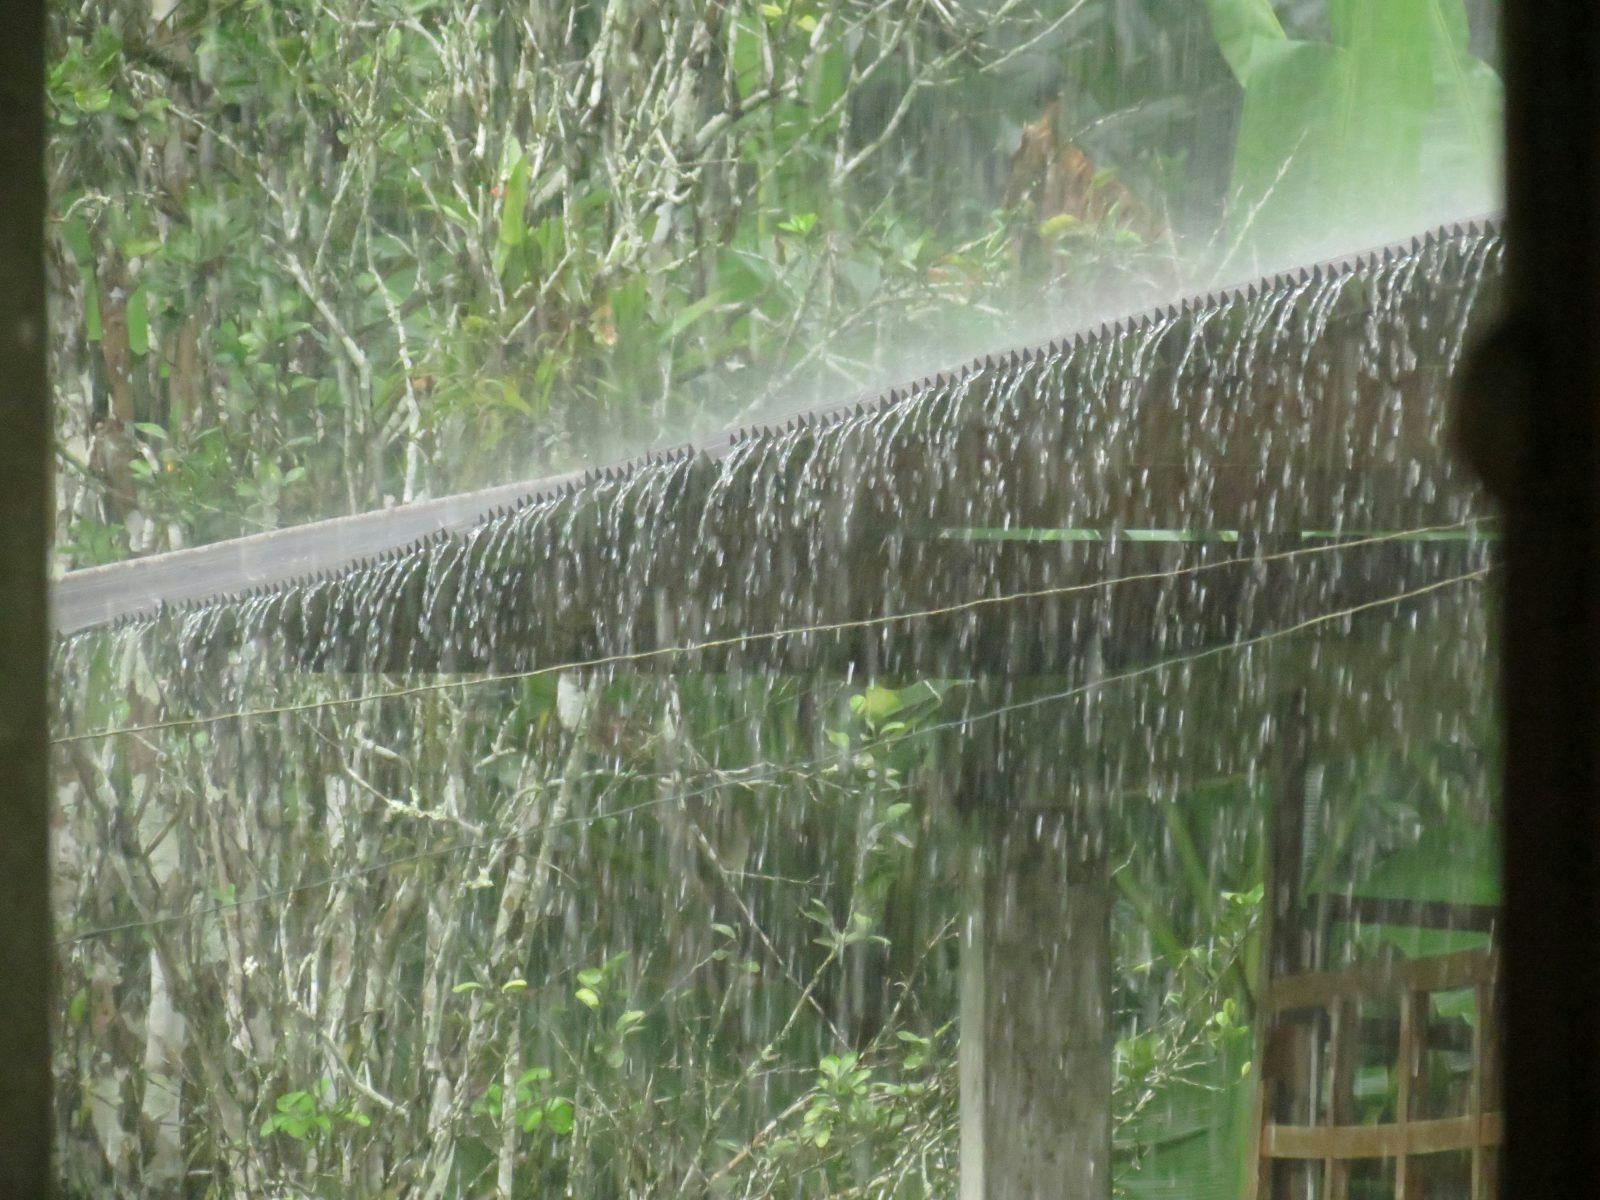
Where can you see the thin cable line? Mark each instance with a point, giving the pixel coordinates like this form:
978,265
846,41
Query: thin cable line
957,723
745,638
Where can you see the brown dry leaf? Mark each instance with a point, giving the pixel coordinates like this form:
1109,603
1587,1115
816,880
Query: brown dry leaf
1064,186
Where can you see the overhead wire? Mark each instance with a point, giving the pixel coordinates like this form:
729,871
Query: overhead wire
741,639
962,722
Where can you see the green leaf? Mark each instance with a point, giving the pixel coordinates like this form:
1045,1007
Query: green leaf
560,1115
76,235
1389,56
742,277
139,321
689,314
745,38
1282,152
1245,30
455,211
91,310
462,988
1060,224
513,218
1185,1137
1350,139
876,703
513,223
587,997
591,977
514,985
1464,138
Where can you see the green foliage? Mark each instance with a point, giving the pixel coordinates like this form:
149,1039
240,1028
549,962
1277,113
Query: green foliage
309,1115
1355,134
536,1109
356,256
853,1107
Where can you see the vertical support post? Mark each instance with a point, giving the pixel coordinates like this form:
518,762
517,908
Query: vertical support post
1283,1043
1286,931
1485,1092
1344,1035
1531,422
25,946
972,1062
1284,1076
1036,1050
1407,1066
1047,1023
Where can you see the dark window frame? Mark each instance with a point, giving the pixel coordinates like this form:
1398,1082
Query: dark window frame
1534,414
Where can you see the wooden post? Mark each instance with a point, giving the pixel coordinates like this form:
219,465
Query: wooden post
1413,1024
1036,1057
1485,1093
26,953
1283,1076
1287,932
1344,1038
974,1031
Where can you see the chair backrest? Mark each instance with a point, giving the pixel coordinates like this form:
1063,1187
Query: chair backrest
1381,1077
1384,1072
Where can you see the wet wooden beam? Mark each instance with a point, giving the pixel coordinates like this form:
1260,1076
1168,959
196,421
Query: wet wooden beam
1382,977
1434,1136
1416,914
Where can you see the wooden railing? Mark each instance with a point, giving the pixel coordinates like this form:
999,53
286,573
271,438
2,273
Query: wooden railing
1313,1042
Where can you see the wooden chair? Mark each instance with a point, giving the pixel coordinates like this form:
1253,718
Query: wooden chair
1430,1142
1426,1029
